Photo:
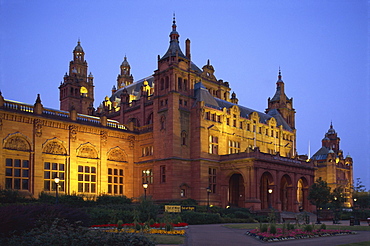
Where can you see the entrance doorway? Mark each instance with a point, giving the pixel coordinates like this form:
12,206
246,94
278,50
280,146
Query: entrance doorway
236,190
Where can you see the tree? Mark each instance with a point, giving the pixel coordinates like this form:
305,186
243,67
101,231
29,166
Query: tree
337,200
360,196
319,195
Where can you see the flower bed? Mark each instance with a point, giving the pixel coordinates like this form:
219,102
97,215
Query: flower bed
294,234
156,228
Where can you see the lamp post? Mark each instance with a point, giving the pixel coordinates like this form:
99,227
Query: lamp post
208,192
56,180
269,197
145,186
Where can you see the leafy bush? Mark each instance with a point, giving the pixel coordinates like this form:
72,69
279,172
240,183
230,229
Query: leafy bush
147,210
237,220
110,214
273,228
21,218
290,226
264,228
195,218
64,234
106,200
308,228
11,196
323,227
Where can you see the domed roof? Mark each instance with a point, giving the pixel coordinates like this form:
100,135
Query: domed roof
125,62
79,47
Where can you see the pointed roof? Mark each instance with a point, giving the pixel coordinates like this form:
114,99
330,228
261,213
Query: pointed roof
202,94
279,89
174,48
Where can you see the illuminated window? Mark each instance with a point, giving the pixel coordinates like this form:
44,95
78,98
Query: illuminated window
212,179
147,176
234,147
208,115
115,181
213,145
51,171
87,179
17,174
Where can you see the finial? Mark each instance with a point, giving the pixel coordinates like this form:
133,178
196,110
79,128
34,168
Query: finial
79,42
279,76
208,62
174,18
38,99
331,124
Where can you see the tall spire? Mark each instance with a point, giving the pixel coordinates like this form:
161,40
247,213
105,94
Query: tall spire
174,35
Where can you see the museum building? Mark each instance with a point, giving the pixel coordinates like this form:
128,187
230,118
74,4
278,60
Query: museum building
180,131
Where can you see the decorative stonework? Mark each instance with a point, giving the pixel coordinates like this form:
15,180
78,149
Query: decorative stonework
17,143
117,154
87,151
73,132
38,127
54,148
104,137
131,140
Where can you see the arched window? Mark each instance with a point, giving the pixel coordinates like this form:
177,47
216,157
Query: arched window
184,137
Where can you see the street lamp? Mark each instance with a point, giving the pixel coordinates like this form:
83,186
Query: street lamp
208,192
145,186
269,197
56,180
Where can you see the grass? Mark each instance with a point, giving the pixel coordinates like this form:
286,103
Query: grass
250,226
167,239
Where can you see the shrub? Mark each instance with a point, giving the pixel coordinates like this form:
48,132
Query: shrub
194,218
264,228
64,234
147,210
110,214
21,218
273,228
308,228
323,227
107,200
11,196
290,226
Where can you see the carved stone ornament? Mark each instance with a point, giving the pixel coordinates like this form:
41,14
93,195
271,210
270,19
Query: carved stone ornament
131,140
55,148
38,127
116,155
104,137
87,152
17,143
73,132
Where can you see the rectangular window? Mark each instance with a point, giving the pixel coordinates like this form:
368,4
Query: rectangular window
51,171
163,173
213,145
17,174
86,179
228,121
212,179
234,147
147,176
115,181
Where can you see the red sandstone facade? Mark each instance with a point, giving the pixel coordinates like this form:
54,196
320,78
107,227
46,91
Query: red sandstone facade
179,130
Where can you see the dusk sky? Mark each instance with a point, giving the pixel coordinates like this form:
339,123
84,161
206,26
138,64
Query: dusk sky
321,46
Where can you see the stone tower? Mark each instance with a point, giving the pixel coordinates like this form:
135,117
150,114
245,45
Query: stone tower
77,89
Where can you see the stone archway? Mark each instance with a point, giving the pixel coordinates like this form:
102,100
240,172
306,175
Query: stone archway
266,184
302,193
236,190
285,193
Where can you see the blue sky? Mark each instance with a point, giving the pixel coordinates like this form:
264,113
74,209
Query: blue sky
321,46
